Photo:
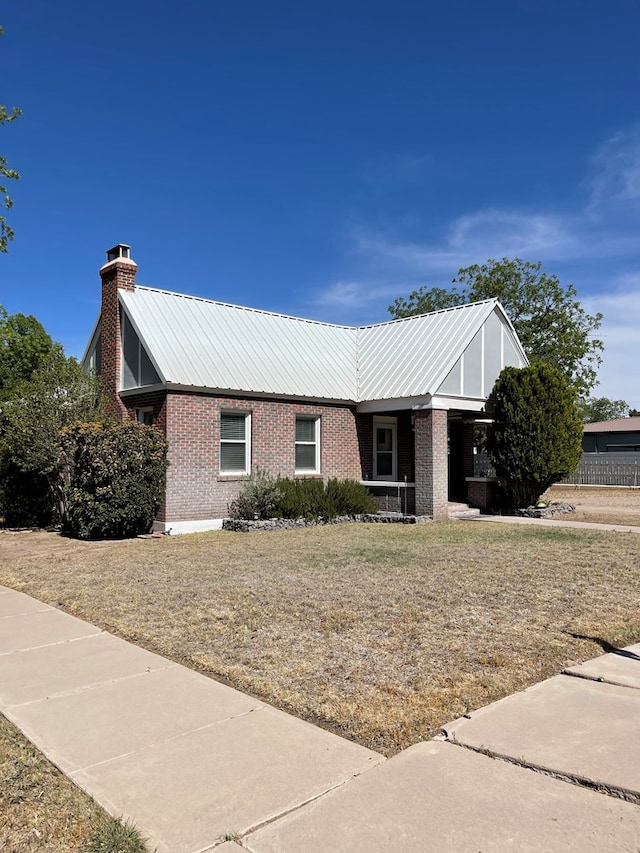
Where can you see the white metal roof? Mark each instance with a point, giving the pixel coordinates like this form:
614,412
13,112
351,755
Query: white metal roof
205,344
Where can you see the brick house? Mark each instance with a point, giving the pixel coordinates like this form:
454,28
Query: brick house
235,389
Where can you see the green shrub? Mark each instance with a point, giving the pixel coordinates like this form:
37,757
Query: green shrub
265,497
258,498
302,499
113,478
348,497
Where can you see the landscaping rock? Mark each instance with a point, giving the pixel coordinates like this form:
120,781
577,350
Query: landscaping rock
546,511
245,525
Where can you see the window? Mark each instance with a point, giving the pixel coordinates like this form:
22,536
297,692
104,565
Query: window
137,369
307,445
95,355
384,449
145,416
235,443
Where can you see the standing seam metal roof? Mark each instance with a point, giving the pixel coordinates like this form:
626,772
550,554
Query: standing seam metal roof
205,344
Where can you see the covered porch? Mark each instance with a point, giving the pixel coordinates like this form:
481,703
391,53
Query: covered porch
421,460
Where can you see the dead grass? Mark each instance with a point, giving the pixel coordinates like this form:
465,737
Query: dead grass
43,812
600,505
382,633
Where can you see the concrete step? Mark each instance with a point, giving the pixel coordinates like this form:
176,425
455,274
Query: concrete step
460,510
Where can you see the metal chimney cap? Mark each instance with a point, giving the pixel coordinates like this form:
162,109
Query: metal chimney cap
119,251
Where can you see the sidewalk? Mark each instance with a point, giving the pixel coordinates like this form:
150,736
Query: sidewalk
556,522
192,761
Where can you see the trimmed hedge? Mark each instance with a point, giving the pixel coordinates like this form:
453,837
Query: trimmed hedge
265,497
113,478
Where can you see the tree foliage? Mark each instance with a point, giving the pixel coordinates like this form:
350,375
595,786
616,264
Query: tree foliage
113,478
599,409
58,393
550,322
535,438
6,202
24,347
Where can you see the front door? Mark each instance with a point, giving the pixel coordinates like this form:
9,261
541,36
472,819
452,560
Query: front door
384,449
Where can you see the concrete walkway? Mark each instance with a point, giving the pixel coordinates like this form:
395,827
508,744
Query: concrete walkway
196,764
557,522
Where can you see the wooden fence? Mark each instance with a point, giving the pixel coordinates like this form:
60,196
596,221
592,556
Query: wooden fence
595,469
607,469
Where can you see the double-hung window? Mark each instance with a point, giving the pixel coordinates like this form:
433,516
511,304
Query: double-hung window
307,445
235,443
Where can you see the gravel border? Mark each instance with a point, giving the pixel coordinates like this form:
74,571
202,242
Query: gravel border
244,525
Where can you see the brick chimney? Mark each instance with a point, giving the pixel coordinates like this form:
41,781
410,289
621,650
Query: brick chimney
118,272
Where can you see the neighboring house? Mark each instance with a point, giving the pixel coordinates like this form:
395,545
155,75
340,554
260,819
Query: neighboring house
621,435
236,389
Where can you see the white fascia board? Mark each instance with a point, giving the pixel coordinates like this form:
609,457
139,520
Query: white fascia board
440,401
463,404
392,405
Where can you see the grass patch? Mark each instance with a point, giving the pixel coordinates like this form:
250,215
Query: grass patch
43,811
600,505
381,633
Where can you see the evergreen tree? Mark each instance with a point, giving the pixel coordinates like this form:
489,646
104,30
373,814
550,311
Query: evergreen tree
535,439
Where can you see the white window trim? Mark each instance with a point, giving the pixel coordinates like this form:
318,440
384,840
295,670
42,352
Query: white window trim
316,427
246,442
392,424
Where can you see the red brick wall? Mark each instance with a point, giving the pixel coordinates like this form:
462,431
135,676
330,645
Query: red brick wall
483,493
195,488
154,400
431,463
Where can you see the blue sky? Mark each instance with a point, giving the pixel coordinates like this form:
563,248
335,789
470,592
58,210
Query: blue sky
321,159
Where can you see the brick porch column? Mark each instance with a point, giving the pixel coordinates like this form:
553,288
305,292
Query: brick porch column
432,468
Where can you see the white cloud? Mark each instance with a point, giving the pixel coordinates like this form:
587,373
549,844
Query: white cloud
587,245
615,169
620,333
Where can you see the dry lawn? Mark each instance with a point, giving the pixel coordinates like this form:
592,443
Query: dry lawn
379,632
603,505
42,811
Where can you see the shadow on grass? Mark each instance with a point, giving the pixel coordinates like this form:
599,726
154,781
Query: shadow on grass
604,645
